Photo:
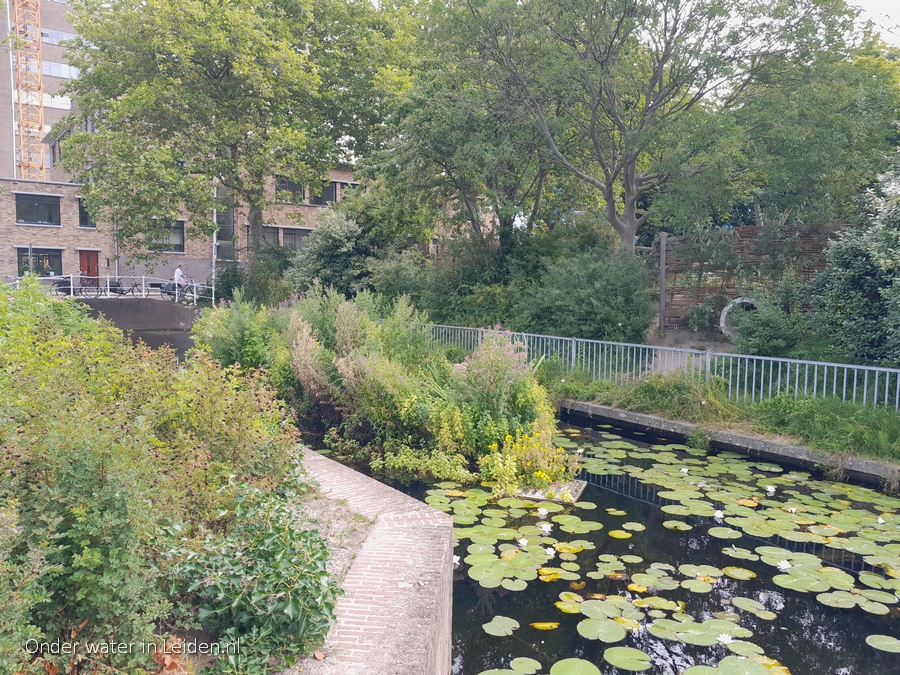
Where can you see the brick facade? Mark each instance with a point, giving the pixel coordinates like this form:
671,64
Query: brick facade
68,237
290,222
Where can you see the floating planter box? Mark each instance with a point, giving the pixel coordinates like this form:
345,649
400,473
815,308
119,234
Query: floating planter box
561,493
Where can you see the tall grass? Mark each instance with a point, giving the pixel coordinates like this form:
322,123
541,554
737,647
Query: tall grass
821,423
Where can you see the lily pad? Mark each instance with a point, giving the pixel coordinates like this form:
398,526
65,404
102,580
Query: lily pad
514,584
626,658
885,643
739,665
724,533
500,626
605,630
739,573
574,667
679,525
619,534
525,665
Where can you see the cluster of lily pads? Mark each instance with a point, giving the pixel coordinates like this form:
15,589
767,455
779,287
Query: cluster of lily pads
517,541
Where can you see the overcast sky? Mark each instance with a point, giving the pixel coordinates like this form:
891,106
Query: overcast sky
876,10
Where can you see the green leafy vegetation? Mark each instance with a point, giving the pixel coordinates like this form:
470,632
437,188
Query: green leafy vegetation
109,450
640,599
401,404
822,423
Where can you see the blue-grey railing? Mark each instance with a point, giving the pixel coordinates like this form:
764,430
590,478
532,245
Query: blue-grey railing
746,378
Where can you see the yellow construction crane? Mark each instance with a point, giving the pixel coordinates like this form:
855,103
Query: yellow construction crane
29,88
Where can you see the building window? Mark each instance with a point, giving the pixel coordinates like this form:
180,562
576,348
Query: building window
167,236
270,236
287,191
326,196
294,239
45,262
37,210
84,218
345,188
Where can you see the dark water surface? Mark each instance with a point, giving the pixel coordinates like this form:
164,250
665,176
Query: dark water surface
807,637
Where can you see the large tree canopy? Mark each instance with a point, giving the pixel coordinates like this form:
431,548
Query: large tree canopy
626,93
176,96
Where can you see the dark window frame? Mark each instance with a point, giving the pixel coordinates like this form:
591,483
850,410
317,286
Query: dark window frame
29,207
85,220
327,196
284,187
294,234
44,260
173,227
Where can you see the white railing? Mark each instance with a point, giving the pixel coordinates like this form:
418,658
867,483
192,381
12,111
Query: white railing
86,286
745,378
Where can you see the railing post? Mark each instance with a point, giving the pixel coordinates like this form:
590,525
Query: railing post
107,285
574,348
480,336
71,285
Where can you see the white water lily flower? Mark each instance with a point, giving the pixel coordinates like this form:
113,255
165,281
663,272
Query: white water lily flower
702,484
579,451
685,470
545,528
725,638
718,515
550,551
880,520
542,512
770,490
523,542
456,561
784,565
791,509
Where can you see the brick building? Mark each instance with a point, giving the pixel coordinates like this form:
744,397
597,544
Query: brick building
40,207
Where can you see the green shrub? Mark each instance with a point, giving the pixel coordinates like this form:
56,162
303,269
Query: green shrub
336,255
271,574
597,294
850,303
104,445
20,590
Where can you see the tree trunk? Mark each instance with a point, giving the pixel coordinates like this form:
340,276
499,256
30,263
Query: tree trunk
254,229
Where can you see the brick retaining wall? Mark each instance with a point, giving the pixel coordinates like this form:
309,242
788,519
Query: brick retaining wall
395,615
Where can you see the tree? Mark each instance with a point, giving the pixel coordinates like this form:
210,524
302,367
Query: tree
176,96
451,145
626,93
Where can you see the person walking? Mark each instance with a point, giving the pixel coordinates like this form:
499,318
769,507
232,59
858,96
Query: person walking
179,276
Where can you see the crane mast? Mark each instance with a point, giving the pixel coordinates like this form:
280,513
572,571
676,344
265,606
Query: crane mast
30,88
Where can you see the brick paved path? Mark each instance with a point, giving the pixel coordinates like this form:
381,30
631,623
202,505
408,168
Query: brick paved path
395,615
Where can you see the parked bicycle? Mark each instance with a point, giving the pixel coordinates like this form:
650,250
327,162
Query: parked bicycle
136,289
88,287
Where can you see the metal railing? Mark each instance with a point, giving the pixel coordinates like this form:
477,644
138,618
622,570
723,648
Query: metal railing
745,378
86,286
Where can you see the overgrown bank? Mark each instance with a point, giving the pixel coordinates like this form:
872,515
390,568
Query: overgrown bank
371,374
822,424
140,498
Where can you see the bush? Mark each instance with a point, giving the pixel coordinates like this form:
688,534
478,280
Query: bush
777,326
850,303
404,405
598,294
336,255
273,574
104,446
